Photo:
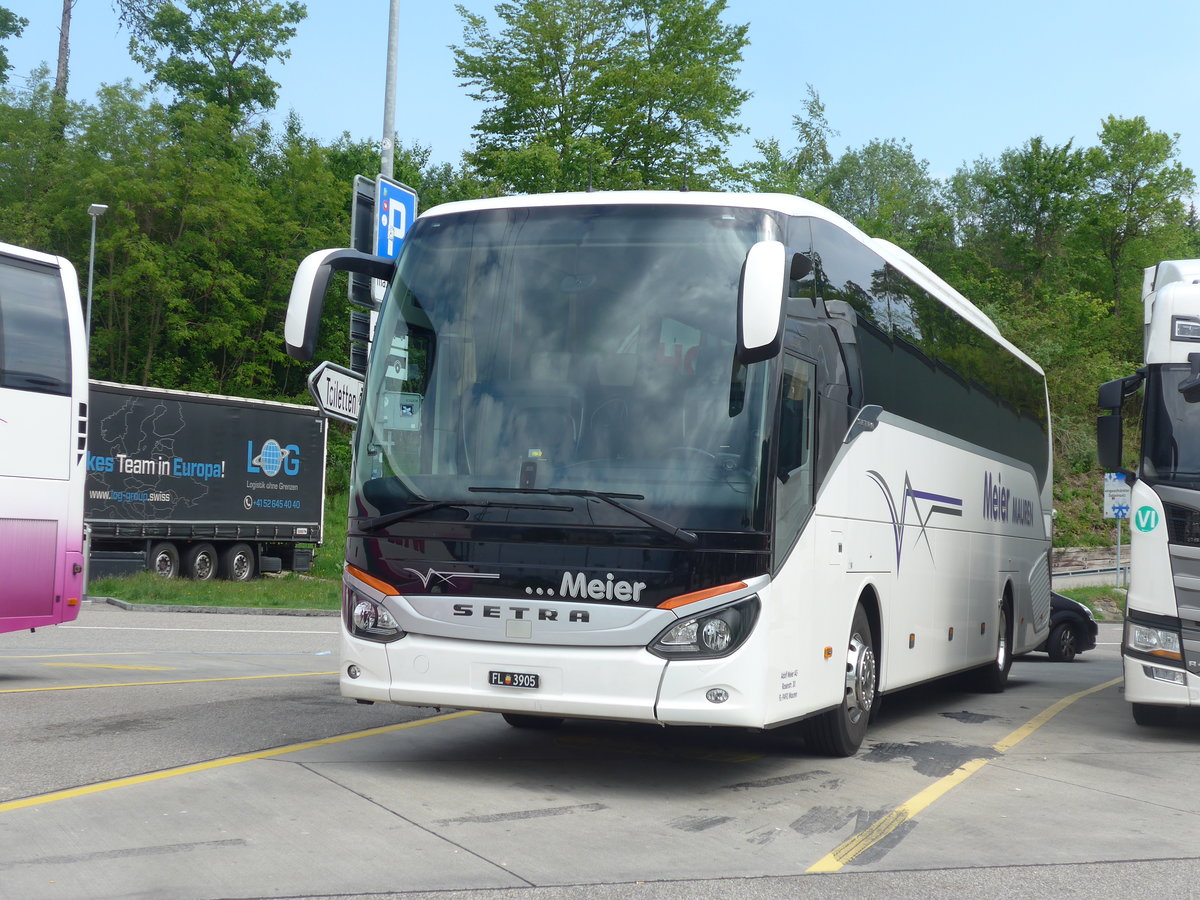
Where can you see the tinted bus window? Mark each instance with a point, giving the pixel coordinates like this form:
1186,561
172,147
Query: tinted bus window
35,348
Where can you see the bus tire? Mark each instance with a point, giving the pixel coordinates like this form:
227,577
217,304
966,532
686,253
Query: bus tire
164,560
1150,716
993,678
237,562
537,723
840,731
200,563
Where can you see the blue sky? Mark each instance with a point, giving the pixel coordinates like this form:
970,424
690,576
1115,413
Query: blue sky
957,80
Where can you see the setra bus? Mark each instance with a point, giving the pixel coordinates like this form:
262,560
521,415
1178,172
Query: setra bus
43,439
682,458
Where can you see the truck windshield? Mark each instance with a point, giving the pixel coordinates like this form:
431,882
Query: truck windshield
567,351
1171,442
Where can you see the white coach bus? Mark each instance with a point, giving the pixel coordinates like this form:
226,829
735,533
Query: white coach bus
43,439
682,458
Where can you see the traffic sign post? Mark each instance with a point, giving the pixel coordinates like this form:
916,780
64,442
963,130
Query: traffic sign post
1116,506
337,390
395,209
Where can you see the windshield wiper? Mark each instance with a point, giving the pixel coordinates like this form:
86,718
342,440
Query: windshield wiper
376,522
612,499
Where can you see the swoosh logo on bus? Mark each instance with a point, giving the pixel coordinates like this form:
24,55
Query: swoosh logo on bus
433,576
939,504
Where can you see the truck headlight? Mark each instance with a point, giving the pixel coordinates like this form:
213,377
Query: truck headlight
1161,642
367,618
708,635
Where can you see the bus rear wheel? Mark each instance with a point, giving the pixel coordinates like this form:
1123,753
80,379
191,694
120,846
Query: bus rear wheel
840,731
993,678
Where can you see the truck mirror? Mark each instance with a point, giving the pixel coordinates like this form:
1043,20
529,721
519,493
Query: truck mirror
1113,393
761,296
1109,434
308,293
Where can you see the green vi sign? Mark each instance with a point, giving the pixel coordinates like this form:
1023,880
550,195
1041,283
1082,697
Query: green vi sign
1145,519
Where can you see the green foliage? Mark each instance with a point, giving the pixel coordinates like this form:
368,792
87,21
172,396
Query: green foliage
11,25
213,51
607,93
287,591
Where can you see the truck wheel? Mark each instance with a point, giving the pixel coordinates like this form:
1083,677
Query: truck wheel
237,563
201,562
164,560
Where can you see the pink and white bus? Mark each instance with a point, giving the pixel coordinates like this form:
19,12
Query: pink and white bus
43,439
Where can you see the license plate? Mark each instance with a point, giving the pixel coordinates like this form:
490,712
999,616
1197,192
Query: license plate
514,679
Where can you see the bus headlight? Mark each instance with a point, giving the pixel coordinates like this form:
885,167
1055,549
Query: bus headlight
709,635
1161,642
366,618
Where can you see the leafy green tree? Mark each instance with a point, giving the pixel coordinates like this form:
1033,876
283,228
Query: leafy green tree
213,51
885,190
1137,210
11,25
611,93
804,169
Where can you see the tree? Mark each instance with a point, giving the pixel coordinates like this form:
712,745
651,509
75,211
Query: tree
11,25
805,168
885,190
613,93
1137,206
213,51
1026,205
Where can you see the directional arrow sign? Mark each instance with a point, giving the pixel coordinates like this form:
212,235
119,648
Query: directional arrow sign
337,390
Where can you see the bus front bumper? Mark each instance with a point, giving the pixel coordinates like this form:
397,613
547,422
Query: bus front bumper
618,683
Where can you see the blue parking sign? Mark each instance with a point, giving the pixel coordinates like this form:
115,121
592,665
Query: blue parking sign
395,209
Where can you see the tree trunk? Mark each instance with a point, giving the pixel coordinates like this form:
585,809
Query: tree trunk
64,50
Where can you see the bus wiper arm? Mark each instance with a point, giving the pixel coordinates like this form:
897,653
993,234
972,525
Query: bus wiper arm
612,499
376,522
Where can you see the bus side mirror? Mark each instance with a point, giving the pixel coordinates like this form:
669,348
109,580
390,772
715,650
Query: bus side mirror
761,296
308,293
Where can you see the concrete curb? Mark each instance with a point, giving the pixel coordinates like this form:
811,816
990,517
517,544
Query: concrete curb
228,610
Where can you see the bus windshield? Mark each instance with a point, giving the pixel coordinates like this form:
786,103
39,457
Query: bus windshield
1171,442
524,358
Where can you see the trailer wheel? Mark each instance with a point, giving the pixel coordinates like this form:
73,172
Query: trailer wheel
200,563
237,563
164,560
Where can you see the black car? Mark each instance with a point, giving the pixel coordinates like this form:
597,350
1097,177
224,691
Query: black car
1072,629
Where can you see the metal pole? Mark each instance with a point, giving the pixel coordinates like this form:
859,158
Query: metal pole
388,150
91,270
1119,573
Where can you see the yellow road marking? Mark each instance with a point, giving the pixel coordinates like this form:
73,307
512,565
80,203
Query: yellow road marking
84,687
110,666
878,830
71,793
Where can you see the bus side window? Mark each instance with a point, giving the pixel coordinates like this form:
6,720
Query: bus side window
794,436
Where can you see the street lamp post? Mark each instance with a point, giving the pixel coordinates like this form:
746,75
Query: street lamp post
96,210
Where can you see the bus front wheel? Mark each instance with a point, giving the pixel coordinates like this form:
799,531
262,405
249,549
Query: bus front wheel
993,678
840,731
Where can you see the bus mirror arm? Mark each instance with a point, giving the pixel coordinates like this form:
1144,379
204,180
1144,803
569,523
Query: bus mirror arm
308,293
